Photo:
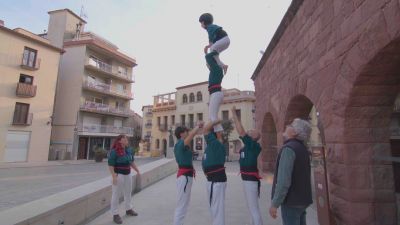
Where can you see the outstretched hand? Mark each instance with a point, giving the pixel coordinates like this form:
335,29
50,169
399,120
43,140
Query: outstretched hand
206,49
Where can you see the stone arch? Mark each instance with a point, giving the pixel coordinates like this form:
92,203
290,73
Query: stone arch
269,143
299,107
362,161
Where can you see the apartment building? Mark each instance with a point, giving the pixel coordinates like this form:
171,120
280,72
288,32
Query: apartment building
94,89
29,69
188,105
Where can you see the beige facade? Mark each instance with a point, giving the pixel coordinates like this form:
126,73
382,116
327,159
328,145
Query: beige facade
29,68
147,112
94,89
188,105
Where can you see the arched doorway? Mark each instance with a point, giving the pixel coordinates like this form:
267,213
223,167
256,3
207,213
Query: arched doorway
370,150
269,144
302,107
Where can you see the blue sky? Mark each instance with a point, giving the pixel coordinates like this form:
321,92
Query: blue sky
165,36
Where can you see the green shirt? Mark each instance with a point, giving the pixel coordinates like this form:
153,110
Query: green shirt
250,152
183,154
214,153
212,31
284,178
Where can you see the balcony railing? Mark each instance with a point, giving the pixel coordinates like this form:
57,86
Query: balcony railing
96,128
149,114
27,122
106,88
103,108
107,68
30,65
148,125
163,127
26,90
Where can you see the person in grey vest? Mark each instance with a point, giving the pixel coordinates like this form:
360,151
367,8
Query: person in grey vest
291,189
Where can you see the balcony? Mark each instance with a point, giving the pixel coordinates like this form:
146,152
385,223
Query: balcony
149,114
164,102
26,90
100,108
234,95
103,88
29,64
148,125
97,128
25,122
163,127
147,137
108,70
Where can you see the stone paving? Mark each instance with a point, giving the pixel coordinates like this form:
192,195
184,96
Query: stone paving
25,182
156,204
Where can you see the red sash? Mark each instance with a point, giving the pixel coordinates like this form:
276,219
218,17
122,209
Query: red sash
254,174
182,171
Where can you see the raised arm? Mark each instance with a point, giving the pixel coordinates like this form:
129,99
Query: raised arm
192,133
207,128
238,124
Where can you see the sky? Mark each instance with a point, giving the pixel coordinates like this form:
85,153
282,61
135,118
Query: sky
165,37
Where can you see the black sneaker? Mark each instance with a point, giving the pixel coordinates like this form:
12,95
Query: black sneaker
131,212
117,219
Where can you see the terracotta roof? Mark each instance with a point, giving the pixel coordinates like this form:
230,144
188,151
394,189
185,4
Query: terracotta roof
287,19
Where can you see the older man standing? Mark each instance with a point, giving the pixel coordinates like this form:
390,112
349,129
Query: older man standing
291,188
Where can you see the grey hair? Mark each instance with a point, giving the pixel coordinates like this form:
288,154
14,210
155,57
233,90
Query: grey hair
302,129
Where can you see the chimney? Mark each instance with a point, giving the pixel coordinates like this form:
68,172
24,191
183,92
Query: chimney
1,23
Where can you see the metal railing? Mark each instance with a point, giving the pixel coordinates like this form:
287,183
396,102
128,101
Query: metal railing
27,122
107,89
97,128
26,90
108,68
163,127
103,108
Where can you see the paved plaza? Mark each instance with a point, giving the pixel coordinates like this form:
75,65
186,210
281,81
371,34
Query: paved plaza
25,182
156,204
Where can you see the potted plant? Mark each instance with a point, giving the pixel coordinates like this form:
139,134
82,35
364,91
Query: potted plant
99,154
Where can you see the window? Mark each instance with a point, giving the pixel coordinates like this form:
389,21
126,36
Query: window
157,143
184,98
21,113
166,121
238,114
173,119
122,70
199,96
29,57
182,120
191,97
225,115
119,105
191,120
158,121
199,116
25,79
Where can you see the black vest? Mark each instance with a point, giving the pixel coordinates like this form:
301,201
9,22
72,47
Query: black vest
299,193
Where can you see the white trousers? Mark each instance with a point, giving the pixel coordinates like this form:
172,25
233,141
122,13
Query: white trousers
220,46
183,198
216,99
251,193
217,205
124,184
